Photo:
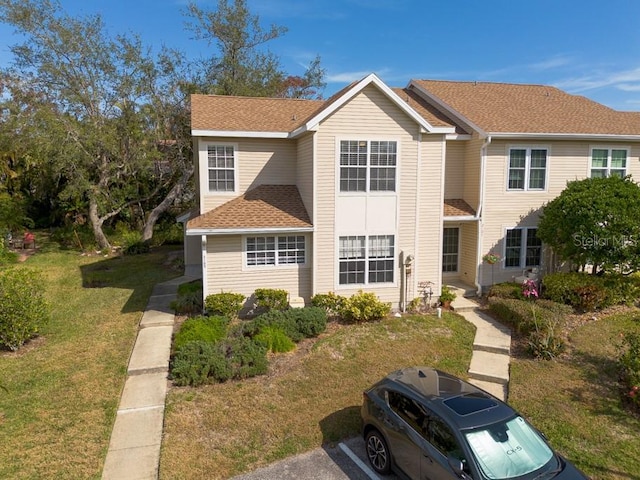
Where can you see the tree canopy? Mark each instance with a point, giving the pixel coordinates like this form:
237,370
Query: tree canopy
95,127
595,221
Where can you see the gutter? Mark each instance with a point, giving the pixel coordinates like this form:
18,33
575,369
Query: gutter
483,168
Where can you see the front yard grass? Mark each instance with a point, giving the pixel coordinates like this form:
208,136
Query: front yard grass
63,388
576,400
310,397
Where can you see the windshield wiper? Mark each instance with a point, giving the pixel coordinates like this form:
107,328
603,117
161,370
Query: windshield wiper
552,472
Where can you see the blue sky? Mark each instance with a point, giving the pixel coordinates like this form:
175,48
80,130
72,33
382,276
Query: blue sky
586,47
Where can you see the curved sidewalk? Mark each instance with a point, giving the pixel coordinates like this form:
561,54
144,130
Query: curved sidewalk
134,448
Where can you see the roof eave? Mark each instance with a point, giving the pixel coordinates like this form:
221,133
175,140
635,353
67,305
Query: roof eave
460,218
238,134
565,136
246,231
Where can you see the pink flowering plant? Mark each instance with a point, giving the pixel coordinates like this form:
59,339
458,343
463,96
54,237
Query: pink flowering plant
530,289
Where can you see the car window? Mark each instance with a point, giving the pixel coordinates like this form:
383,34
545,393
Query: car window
408,410
441,437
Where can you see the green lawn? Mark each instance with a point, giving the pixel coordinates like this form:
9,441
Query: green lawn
310,397
63,388
576,400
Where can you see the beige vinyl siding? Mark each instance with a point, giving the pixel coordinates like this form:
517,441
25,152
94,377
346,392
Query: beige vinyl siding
260,161
468,251
371,115
304,172
472,171
226,270
566,161
454,177
428,263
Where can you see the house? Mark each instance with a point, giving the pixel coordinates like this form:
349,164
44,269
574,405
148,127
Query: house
384,189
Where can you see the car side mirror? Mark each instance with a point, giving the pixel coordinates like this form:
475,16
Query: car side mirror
457,466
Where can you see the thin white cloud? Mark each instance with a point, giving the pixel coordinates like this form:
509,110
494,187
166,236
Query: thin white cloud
551,63
621,80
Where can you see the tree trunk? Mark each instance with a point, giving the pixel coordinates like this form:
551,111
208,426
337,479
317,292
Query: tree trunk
96,224
176,190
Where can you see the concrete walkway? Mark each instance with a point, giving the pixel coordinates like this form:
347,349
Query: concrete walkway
134,449
489,368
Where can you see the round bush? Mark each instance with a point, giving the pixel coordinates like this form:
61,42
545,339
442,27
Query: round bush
274,339
246,357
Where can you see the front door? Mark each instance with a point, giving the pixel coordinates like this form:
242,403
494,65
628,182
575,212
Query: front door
450,249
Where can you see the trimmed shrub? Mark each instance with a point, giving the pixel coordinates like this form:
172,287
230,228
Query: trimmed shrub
330,302
227,304
246,357
506,290
267,299
274,339
23,310
274,318
296,323
588,292
364,307
310,321
199,362
206,329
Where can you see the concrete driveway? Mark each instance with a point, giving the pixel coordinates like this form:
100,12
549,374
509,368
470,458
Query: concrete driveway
347,461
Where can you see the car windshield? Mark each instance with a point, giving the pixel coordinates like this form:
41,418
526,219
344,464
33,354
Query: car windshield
508,450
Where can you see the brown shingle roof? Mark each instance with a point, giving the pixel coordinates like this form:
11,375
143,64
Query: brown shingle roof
250,114
515,108
435,117
266,206
456,207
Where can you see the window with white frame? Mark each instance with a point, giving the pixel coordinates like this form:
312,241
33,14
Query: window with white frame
368,166
523,248
221,165
527,168
272,250
608,161
365,259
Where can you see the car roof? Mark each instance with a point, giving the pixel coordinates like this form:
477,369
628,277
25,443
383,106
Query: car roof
462,404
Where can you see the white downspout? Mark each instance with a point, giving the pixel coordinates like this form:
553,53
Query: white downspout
483,161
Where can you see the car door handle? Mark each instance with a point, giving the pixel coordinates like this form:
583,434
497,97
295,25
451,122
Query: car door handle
426,456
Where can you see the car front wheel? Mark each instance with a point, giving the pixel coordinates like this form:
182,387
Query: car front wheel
378,452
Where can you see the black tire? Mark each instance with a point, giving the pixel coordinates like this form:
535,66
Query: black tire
378,452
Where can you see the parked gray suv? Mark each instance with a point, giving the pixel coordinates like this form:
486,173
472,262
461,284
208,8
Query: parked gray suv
426,424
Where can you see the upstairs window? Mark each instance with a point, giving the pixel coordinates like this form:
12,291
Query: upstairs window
527,169
608,161
523,248
221,165
368,166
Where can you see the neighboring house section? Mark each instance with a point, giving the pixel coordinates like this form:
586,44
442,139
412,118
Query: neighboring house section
382,189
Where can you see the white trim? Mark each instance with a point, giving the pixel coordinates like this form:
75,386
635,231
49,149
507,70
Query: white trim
462,218
523,249
203,167
367,191
247,231
366,260
565,136
314,219
458,136
353,91
527,167
252,268
609,149
238,134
